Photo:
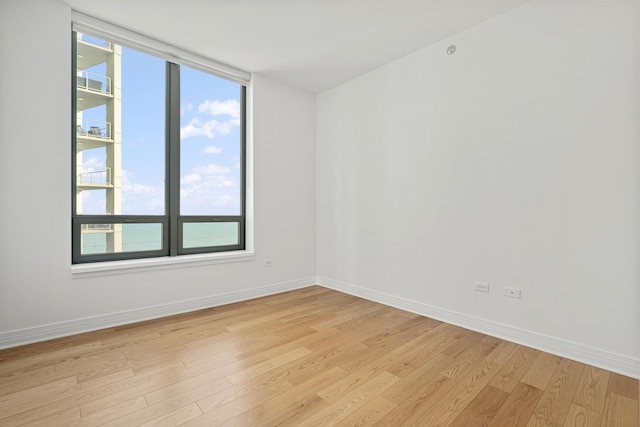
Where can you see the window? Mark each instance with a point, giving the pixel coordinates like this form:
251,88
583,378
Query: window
158,155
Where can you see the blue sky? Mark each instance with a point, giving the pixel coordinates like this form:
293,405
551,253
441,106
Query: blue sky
210,141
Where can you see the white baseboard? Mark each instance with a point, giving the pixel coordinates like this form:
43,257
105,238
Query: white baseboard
592,356
94,323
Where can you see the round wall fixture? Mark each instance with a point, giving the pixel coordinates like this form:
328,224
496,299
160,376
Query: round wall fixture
451,49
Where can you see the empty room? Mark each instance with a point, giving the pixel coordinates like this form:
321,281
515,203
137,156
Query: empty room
309,212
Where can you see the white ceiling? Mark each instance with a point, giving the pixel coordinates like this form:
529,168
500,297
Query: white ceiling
311,44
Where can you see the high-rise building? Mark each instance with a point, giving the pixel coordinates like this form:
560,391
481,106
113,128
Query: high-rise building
99,135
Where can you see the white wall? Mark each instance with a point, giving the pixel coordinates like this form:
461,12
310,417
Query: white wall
37,291
513,162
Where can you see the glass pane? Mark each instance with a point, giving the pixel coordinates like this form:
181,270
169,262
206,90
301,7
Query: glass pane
119,130
210,144
205,234
117,238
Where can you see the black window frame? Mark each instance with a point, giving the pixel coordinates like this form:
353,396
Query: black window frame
172,222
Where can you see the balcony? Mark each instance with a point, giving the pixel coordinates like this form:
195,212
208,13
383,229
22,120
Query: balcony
92,51
93,134
100,178
93,90
94,82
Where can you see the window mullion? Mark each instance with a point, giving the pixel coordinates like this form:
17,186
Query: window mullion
173,153
74,140
243,163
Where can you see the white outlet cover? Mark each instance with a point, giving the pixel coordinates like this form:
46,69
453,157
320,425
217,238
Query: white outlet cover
481,287
512,292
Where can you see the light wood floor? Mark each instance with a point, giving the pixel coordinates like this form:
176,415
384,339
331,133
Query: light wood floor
307,357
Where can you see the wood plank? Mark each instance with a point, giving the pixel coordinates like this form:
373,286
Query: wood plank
518,407
268,317
110,413
619,411
246,392
538,421
624,386
424,399
401,333
267,365
451,404
318,293
70,398
351,382
556,399
20,401
420,401
343,407
22,380
582,417
126,390
468,358
176,417
482,409
213,383
295,410
262,405
355,310
369,414
542,370
34,359
592,390
510,375
163,407
320,361
430,371
463,344
63,417
292,407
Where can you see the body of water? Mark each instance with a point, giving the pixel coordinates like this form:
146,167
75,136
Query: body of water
148,237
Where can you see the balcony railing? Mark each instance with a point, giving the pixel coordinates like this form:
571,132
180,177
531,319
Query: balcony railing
94,129
95,177
94,82
97,227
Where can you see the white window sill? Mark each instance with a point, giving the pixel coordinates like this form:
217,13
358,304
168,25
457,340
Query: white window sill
154,264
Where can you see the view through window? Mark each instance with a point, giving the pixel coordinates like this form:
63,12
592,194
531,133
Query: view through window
158,153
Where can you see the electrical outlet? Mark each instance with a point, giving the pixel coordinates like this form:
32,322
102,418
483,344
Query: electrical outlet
481,287
268,263
512,292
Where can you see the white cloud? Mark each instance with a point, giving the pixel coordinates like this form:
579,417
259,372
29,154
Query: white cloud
212,149
197,128
192,178
209,186
184,108
230,107
206,184
224,200
93,163
141,199
211,169
225,115
214,191
93,202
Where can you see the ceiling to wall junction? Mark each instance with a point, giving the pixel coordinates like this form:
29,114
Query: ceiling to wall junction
311,44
